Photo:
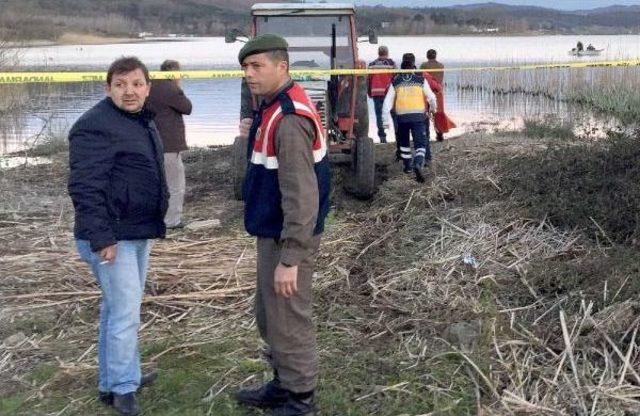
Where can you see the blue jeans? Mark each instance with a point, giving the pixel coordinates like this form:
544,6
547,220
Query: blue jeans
377,105
419,131
122,286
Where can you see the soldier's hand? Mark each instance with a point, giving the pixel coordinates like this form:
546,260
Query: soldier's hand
286,280
245,126
108,254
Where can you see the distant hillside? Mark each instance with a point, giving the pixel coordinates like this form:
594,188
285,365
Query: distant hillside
499,18
50,19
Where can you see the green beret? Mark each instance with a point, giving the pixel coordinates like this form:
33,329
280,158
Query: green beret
262,43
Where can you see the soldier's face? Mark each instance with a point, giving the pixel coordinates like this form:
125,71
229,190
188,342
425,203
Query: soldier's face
264,76
129,90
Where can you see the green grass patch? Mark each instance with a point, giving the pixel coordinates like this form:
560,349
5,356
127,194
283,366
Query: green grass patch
201,381
43,373
549,127
10,405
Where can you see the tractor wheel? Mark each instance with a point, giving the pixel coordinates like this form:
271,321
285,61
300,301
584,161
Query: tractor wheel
364,168
361,127
239,165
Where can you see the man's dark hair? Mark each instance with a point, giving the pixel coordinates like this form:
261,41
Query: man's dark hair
431,54
408,61
170,65
278,55
127,64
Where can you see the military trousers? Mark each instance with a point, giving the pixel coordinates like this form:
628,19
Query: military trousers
285,324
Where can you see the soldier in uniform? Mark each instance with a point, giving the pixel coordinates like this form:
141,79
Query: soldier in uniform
286,194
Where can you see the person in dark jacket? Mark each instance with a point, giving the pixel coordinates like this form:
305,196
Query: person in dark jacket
411,98
120,197
168,102
286,194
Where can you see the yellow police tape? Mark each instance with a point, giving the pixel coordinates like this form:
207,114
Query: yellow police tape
51,77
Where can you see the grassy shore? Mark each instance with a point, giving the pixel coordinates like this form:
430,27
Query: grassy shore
507,285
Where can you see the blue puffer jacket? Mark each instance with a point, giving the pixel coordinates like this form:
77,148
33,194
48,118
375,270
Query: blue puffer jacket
116,179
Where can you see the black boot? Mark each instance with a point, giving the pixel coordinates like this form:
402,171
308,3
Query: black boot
145,380
269,395
298,404
126,404
418,164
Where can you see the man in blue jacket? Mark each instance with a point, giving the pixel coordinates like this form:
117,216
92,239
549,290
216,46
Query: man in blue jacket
120,196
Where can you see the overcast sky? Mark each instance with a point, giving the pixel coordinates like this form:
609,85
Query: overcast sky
555,4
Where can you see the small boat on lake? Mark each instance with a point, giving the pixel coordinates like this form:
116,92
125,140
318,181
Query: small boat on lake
585,52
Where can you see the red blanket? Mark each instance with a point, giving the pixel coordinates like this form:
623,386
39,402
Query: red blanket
442,123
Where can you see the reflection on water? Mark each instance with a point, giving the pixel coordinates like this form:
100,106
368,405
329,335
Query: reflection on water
50,110
216,107
452,50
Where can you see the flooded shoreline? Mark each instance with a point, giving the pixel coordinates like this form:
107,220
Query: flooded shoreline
48,111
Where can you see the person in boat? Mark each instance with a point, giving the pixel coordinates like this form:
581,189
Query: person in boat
591,47
579,47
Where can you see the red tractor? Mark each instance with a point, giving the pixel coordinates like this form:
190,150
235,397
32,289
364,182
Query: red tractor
321,36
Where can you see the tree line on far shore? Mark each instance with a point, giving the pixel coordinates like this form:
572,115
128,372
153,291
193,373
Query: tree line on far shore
51,19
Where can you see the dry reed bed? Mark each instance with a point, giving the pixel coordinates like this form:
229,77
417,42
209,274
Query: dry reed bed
430,269
614,90
194,286
452,279
198,280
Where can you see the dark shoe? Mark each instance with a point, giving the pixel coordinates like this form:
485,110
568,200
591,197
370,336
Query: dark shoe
126,404
296,407
407,165
105,398
418,163
419,174
145,380
269,395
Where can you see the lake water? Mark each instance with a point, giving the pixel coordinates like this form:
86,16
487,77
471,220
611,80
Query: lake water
53,109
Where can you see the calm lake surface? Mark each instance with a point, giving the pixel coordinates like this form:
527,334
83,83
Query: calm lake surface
52,109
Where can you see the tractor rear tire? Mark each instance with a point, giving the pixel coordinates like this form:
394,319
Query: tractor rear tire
361,126
239,165
363,168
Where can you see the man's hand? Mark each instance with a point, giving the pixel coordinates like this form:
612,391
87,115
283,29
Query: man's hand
286,280
245,126
108,254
